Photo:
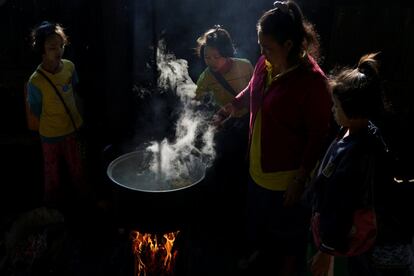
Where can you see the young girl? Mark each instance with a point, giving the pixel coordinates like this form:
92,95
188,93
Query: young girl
58,121
215,48
224,77
341,180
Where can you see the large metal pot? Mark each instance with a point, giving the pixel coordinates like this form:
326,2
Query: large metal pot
151,200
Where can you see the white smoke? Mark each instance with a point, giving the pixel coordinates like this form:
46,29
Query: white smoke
171,158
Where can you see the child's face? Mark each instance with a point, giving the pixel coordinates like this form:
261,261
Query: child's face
213,58
54,47
339,113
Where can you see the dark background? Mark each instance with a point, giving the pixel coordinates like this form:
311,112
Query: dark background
112,48
111,44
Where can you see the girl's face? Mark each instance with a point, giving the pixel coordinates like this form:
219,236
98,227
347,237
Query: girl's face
213,59
339,113
275,53
54,47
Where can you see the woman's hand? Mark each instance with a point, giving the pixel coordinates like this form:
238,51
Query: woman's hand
294,192
320,264
225,113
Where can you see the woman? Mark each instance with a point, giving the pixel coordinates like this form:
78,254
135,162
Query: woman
289,120
224,77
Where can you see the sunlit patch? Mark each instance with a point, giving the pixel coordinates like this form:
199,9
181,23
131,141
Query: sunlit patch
399,180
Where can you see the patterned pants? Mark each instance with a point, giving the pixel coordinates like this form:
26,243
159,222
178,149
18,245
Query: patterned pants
67,151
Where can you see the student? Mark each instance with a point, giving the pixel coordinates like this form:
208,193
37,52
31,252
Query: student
224,77
58,115
289,120
353,166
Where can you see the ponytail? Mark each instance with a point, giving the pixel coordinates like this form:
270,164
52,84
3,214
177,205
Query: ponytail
369,66
310,38
359,90
311,43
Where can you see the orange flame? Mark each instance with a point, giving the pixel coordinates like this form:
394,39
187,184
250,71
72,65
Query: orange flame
154,253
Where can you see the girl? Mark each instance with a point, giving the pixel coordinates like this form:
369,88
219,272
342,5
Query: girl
341,181
224,77
216,50
54,104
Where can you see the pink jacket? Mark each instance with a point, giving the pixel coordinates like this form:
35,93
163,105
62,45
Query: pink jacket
296,112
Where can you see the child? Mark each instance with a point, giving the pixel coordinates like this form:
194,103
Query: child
58,115
225,75
342,176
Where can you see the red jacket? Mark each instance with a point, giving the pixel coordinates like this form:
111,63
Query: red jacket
296,112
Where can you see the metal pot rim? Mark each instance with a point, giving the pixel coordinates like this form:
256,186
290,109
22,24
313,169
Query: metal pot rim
126,156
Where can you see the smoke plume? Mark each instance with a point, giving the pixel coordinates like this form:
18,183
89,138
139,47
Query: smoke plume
193,134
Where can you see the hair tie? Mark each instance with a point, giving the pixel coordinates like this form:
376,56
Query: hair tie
45,24
284,7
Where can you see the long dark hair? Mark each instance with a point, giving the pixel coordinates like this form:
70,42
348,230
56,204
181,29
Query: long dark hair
286,22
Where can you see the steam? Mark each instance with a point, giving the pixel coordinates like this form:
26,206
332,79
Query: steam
193,134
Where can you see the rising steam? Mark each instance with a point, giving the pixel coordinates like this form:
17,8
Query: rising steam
193,134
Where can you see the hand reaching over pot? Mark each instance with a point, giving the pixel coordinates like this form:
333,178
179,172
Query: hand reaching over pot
225,113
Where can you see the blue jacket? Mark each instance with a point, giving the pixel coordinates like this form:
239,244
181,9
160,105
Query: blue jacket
342,184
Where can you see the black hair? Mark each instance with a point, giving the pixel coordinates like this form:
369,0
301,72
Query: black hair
216,37
286,22
41,32
359,90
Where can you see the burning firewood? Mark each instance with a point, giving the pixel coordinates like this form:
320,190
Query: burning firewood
154,254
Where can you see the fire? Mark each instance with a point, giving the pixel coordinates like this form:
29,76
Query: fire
154,254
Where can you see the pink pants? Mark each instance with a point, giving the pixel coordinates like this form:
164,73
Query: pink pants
67,151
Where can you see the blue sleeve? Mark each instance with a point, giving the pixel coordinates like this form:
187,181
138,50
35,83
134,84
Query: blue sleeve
34,98
75,79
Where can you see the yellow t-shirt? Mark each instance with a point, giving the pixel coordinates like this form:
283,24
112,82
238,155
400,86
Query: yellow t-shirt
54,120
238,78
